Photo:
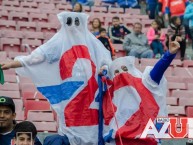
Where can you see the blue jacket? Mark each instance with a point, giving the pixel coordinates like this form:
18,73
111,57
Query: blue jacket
189,14
127,3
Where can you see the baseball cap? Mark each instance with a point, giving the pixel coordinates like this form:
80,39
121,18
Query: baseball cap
7,101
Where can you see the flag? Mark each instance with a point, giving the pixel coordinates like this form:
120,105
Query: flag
65,70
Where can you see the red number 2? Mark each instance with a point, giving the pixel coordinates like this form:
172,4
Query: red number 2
77,112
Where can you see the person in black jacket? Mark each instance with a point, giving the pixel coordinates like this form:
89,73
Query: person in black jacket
7,121
117,32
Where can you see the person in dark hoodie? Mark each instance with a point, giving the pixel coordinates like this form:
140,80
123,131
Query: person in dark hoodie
176,31
106,41
7,121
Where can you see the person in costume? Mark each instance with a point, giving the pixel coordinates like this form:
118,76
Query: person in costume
65,71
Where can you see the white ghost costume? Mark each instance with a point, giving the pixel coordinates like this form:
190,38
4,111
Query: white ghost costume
128,98
43,67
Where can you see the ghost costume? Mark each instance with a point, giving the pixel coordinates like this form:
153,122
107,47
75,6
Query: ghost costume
136,97
61,69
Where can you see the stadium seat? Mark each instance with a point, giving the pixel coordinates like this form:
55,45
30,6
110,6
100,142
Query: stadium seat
175,79
190,70
46,126
86,9
4,15
23,79
32,43
7,25
144,17
48,35
35,17
190,86
9,72
33,35
30,10
99,9
118,47
9,87
42,1
10,3
58,2
12,55
18,104
186,101
10,44
120,54
36,105
26,26
180,71
47,27
188,63
132,11
182,93
19,16
44,6
12,94
27,4
116,10
61,7
3,55
20,116
168,72
40,116
10,78
12,34
148,62
146,23
53,19
175,86
12,9
32,95
176,62
189,111
131,22
176,110
172,101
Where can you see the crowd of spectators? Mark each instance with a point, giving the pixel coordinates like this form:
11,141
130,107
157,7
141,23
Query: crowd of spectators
175,15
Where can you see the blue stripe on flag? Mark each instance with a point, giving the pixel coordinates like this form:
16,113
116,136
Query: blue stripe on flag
56,94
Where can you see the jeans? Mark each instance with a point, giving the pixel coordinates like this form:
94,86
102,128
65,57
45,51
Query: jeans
157,47
191,32
145,54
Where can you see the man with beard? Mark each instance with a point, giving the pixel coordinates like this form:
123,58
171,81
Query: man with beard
7,121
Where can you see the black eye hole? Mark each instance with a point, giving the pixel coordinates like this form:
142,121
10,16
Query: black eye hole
77,22
69,21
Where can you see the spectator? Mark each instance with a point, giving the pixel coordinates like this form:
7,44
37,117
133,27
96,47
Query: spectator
7,121
189,16
156,39
172,8
128,3
136,43
77,8
56,139
176,31
96,25
151,8
117,32
25,133
86,2
106,42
